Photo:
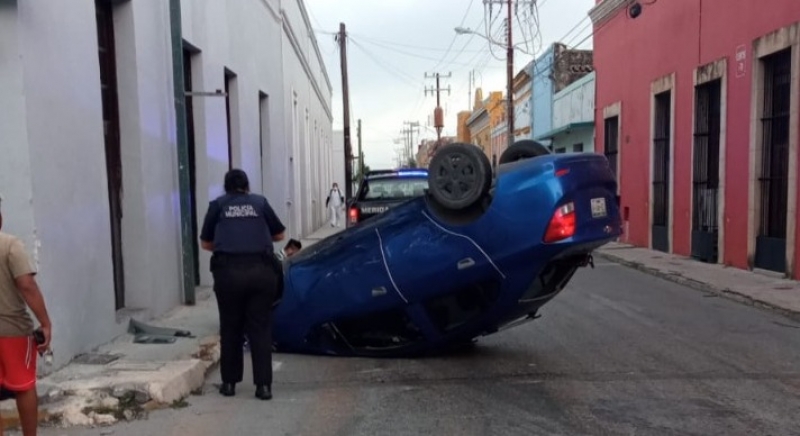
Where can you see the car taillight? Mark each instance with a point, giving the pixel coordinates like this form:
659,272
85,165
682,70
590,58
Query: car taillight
352,215
562,225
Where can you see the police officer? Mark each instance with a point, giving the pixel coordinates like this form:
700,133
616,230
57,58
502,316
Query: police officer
240,228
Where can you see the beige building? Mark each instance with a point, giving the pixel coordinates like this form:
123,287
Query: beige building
486,114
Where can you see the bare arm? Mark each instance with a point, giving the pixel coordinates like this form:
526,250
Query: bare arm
276,227
207,245
29,290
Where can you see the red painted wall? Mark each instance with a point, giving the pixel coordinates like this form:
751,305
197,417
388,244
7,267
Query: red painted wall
677,36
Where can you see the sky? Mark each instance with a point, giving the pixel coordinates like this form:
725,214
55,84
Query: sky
393,44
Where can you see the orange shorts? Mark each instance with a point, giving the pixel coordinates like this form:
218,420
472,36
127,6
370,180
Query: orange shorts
18,363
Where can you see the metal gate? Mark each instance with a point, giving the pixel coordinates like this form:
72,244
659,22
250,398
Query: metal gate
611,143
661,160
774,175
705,179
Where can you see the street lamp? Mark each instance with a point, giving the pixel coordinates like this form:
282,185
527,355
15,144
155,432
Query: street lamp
467,31
509,75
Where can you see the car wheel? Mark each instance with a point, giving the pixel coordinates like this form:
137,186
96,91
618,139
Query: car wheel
459,175
524,149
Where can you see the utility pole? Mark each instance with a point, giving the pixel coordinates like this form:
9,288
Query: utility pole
510,78
438,116
360,155
348,150
404,156
469,86
510,60
411,125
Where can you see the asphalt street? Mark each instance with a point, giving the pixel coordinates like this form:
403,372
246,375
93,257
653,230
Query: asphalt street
618,353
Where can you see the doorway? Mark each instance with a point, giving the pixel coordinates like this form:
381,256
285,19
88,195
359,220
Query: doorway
190,143
611,144
773,179
230,79
705,178
661,165
263,135
104,11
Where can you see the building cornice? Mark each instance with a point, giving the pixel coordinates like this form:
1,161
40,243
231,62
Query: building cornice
275,14
605,10
476,115
301,55
313,36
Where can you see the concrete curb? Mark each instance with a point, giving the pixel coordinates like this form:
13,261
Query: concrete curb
130,391
674,277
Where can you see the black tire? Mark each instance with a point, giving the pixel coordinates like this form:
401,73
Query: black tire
459,175
524,149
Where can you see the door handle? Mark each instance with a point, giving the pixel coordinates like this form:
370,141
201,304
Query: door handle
466,263
377,292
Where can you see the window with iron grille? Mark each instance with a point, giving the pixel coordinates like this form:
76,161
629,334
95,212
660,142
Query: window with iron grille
705,178
661,157
611,142
774,172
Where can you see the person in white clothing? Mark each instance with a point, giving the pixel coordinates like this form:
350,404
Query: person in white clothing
334,204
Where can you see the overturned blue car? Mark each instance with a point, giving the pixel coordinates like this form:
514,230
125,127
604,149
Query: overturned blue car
478,253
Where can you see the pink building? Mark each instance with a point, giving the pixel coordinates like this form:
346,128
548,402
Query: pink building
697,107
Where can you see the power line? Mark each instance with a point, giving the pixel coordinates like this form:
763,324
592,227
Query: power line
453,41
414,55
391,69
384,42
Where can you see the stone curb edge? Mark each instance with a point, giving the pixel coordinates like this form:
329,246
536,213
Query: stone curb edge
702,286
207,355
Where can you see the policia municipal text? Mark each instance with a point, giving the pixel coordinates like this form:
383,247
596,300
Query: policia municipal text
240,228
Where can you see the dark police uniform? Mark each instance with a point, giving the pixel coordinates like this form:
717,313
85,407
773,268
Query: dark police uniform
241,225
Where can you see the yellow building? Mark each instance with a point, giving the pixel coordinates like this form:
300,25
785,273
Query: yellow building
463,130
486,114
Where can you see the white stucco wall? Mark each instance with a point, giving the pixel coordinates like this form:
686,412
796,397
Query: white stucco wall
310,91
150,237
337,159
53,172
57,191
16,189
269,47
575,103
522,110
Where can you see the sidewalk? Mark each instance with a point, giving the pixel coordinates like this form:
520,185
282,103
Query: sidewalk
322,233
755,288
122,380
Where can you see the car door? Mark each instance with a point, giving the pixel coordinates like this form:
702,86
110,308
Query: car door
444,272
341,299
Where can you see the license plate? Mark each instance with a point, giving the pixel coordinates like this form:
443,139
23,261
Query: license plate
599,207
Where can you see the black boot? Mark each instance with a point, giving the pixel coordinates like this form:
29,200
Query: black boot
228,389
263,392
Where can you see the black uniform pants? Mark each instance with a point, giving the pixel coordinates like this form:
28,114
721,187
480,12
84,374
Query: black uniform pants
245,286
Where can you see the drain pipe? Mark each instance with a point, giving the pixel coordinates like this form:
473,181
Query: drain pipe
179,88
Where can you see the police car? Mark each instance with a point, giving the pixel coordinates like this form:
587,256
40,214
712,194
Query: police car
383,189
